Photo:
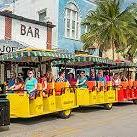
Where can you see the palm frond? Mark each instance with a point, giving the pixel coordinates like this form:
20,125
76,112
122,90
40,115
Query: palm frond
108,24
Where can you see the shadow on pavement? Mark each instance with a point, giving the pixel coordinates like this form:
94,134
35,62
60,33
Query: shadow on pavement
86,109
34,120
123,104
52,117
95,108
4,128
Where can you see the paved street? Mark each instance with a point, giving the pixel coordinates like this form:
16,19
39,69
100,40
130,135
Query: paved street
121,121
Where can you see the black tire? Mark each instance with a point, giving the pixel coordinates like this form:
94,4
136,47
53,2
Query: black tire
65,114
135,101
108,106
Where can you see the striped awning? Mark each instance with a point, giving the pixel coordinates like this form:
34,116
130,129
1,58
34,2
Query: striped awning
126,64
86,60
28,52
94,59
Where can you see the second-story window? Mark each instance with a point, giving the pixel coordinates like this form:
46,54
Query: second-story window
42,15
72,22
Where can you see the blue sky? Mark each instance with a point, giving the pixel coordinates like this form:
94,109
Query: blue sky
3,2
127,2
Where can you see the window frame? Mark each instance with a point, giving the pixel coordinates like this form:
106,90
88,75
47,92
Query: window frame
74,17
42,11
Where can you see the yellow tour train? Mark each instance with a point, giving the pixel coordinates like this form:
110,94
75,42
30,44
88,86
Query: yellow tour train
61,97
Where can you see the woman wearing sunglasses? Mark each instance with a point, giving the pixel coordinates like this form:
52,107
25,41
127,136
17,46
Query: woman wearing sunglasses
81,82
31,84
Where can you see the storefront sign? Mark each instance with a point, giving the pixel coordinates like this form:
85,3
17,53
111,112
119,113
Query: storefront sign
7,46
31,34
29,31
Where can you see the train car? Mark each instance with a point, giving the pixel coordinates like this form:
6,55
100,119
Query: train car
96,92
100,93
59,98
126,91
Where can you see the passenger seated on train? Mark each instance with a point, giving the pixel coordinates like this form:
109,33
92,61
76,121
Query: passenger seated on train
31,84
72,80
44,85
50,77
50,82
130,81
18,85
100,77
116,81
92,76
39,77
11,81
20,75
123,77
111,76
61,77
107,76
82,79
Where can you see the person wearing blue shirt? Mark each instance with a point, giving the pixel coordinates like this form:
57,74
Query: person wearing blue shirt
31,84
11,81
100,77
81,82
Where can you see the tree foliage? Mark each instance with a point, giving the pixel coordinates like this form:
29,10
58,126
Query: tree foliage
111,27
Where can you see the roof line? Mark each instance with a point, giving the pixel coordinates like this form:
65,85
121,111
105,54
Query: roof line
10,15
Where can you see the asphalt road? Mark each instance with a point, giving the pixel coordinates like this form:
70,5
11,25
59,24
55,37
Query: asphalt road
121,121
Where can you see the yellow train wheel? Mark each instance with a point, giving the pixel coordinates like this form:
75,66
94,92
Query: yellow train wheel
65,114
108,106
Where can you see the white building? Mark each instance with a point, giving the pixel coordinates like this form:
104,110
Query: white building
18,32
41,10
65,14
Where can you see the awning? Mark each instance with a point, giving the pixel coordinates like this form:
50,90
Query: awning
93,59
120,65
126,64
29,52
7,46
86,60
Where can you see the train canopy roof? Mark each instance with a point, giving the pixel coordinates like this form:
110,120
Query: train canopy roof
86,60
28,54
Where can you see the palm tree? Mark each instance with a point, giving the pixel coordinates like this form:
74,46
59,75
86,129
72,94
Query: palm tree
109,26
131,51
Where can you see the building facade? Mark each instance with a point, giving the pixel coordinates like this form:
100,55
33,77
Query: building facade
67,15
71,14
40,10
25,31
17,32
